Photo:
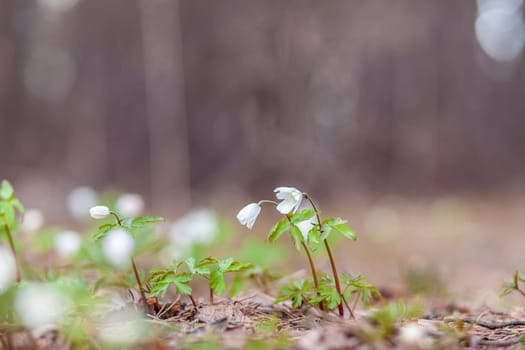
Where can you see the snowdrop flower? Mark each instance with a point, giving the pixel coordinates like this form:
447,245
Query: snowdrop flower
80,200
130,204
67,244
248,214
99,212
7,268
33,220
39,304
291,199
118,247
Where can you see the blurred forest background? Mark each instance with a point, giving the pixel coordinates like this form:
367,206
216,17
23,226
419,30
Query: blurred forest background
169,97
183,101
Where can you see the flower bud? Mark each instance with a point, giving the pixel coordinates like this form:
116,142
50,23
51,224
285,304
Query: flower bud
99,212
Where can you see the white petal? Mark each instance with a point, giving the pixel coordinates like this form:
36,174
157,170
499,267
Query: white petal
248,214
99,212
285,207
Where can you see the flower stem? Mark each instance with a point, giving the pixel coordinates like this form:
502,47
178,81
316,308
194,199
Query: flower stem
119,221
141,290
329,252
211,296
13,251
314,273
192,300
267,201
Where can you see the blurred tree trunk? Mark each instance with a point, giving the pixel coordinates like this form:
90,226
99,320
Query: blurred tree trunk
164,86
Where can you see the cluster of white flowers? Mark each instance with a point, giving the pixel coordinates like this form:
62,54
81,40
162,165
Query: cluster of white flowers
291,199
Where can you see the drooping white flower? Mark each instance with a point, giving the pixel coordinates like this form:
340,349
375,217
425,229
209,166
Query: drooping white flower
39,304
118,247
67,243
7,268
248,214
291,199
130,204
80,200
99,212
33,220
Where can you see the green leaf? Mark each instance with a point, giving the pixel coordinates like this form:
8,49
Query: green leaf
238,266
297,236
7,213
314,236
15,203
224,264
302,216
278,229
142,220
217,282
6,190
236,286
194,269
207,261
180,283
345,231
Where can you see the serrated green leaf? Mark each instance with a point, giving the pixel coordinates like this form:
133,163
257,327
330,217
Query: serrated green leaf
224,264
182,288
345,231
238,266
314,235
142,220
7,214
278,229
302,216
217,282
297,236
206,261
103,229
15,203
6,190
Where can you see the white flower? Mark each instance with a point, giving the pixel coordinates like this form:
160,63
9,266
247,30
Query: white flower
414,335
197,227
248,214
67,243
39,304
130,204
291,199
7,268
80,200
33,220
99,212
118,247
125,326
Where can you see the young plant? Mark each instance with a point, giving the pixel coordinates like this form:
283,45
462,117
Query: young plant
315,231
161,280
9,220
514,285
117,231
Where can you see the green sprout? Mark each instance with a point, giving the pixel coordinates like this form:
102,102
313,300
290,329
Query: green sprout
131,225
306,228
514,285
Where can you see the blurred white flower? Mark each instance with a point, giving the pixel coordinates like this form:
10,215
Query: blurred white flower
200,226
130,204
80,200
248,214
291,199
118,247
99,212
39,304
67,243
125,326
7,268
33,220
413,335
